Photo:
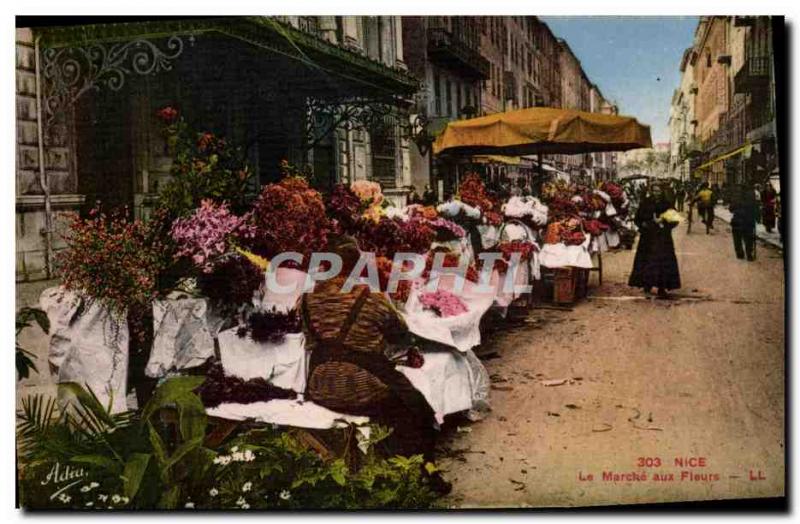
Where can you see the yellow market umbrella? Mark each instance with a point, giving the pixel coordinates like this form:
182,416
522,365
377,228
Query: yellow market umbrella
543,130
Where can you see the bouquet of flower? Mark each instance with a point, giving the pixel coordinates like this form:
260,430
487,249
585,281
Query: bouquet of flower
219,388
560,208
472,192
232,282
345,208
426,212
114,259
567,231
524,248
460,213
389,236
594,227
204,166
271,326
670,216
443,303
451,260
446,230
289,216
528,209
368,192
206,235
384,272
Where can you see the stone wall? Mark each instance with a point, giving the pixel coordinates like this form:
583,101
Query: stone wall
31,219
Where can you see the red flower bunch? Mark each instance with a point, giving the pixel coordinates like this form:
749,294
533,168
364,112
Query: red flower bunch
525,249
560,208
594,227
345,208
384,272
389,236
574,238
167,114
473,192
208,143
114,259
426,212
493,218
615,191
289,216
450,260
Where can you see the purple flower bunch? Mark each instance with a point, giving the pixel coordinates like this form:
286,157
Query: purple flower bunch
443,303
446,229
205,235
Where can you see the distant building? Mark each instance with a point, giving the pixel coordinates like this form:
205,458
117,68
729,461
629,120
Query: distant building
445,52
732,65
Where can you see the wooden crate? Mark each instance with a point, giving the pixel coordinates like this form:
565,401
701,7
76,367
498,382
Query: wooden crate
564,286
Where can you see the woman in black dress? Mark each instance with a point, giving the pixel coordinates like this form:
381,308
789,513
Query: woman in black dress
655,264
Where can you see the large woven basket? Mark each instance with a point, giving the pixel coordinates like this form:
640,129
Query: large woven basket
342,386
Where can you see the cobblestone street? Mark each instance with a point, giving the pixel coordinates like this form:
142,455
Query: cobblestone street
698,376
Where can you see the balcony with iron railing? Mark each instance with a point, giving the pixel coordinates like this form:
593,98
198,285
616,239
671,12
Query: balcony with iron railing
753,75
452,51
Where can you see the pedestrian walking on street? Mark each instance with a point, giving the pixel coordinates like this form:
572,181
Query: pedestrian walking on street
706,200
768,201
655,264
744,207
680,196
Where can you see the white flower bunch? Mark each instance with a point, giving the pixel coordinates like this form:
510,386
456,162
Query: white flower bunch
520,207
236,455
453,208
397,212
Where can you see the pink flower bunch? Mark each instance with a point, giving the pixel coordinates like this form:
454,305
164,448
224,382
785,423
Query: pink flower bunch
446,229
206,234
367,191
443,303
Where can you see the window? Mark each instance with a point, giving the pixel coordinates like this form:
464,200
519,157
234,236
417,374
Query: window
458,100
383,145
437,93
449,96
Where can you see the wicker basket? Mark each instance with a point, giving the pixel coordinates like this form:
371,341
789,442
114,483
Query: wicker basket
345,387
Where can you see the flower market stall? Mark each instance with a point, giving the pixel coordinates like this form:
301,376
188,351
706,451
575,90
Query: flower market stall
196,291
582,221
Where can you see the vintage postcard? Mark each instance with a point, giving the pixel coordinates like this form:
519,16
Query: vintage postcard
400,262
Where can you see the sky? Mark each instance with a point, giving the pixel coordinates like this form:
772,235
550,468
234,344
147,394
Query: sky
633,60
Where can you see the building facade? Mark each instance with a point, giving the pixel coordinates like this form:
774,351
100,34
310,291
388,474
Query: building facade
722,119
444,52
353,97
87,97
684,145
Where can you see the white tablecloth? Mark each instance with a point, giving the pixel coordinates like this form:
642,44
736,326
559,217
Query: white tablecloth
285,412
561,255
284,365
450,382
89,345
183,335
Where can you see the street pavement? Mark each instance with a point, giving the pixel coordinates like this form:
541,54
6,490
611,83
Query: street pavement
620,378
627,385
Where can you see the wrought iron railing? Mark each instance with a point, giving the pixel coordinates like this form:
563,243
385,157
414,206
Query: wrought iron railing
753,73
450,46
